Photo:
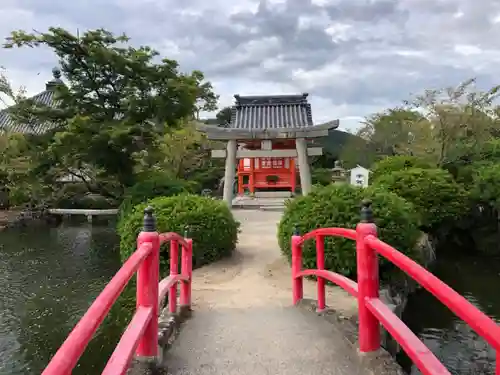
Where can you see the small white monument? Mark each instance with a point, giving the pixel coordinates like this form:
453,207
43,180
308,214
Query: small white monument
360,176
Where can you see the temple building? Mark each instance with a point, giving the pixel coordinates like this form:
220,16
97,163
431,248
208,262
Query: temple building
267,144
46,98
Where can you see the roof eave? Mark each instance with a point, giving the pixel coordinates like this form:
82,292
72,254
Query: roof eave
220,133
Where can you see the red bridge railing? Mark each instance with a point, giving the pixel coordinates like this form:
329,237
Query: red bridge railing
371,310
141,335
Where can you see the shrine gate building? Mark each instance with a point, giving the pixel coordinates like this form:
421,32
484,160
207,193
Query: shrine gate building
267,141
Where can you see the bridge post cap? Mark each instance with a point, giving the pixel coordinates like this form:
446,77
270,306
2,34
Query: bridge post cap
149,224
366,211
296,231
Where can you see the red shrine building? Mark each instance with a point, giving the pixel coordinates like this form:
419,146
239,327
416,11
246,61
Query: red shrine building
267,144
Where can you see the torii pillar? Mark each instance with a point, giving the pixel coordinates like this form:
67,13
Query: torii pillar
230,171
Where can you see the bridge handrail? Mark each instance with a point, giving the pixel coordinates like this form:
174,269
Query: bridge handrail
172,236
141,335
475,318
371,310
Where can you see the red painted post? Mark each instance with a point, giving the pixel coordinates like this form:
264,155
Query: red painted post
297,282
174,270
148,276
186,269
368,281
320,264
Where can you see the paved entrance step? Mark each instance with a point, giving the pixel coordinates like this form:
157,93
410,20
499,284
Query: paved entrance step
273,194
259,203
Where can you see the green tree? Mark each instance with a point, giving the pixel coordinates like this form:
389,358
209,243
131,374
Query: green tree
224,116
461,119
183,154
396,131
118,101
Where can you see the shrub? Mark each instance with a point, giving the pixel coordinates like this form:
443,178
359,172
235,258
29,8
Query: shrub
434,193
210,223
77,196
397,163
155,185
485,188
338,205
321,176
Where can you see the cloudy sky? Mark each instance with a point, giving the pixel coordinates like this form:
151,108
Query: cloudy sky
354,57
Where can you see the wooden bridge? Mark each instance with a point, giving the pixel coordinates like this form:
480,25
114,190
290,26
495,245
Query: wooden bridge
267,338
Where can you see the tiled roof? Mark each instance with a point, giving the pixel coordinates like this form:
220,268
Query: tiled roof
45,98
8,123
277,112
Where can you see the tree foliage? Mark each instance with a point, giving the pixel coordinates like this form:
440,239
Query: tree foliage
485,187
397,131
442,126
461,119
118,101
224,116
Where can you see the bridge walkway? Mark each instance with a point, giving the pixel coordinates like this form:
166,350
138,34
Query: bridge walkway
244,322
264,340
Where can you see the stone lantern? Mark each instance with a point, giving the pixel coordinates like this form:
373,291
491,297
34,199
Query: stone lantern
338,173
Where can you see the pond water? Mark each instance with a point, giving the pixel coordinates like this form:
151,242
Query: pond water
449,338
48,278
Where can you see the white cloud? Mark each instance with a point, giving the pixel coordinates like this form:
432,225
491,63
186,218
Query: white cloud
353,57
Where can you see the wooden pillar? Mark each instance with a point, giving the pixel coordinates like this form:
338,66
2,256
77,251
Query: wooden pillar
230,170
304,169
241,190
251,178
293,175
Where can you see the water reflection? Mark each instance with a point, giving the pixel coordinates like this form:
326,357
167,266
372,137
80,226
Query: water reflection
449,338
48,279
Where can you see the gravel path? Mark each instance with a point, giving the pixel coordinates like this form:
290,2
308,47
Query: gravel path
257,274
243,321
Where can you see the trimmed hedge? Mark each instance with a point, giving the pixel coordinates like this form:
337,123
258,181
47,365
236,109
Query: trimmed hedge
396,163
209,222
338,205
436,196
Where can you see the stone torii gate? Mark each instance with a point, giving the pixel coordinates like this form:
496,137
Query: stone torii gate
268,135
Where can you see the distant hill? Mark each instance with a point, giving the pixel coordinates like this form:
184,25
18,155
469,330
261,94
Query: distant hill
349,148
336,140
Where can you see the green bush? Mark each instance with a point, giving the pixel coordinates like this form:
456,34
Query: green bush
338,205
485,188
436,196
209,222
77,196
154,185
397,163
321,176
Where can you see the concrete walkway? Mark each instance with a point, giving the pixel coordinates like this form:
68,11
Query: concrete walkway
243,321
